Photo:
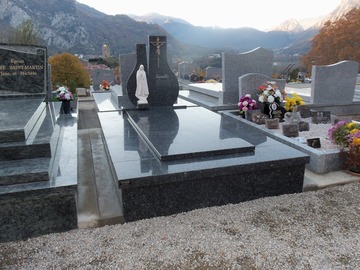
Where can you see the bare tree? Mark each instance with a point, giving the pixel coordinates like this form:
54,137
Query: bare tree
26,33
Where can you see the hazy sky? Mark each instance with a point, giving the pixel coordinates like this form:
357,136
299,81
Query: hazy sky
259,14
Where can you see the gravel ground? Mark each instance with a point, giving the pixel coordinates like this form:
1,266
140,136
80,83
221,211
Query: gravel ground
311,230
315,131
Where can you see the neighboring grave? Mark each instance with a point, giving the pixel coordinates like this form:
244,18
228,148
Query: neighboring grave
81,92
213,73
185,69
259,60
98,75
334,84
249,83
127,65
23,70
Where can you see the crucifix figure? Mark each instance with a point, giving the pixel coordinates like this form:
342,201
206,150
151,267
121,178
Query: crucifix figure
158,44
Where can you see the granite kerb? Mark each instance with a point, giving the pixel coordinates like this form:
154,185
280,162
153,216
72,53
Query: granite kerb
321,160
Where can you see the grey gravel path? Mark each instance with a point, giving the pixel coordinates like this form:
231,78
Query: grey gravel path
312,230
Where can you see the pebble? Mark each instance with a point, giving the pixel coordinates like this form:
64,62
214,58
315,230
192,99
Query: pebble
310,230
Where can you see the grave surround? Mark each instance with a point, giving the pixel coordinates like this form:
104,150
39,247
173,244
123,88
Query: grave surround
321,161
176,156
154,187
37,182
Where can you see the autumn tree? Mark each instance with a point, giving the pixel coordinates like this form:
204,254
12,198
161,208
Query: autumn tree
336,41
66,69
26,33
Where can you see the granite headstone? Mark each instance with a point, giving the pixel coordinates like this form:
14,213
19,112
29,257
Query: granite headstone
23,70
259,60
127,66
334,84
163,84
98,75
185,69
249,83
213,73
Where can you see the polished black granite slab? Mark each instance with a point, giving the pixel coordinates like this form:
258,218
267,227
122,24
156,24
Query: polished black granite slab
129,151
38,194
115,101
18,116
153,187
60,131
184,133
163,84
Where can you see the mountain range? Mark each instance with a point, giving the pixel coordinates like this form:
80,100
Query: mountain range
66,25
291,36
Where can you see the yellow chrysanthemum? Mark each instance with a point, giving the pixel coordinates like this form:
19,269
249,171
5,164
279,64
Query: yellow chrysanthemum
293,101
356,142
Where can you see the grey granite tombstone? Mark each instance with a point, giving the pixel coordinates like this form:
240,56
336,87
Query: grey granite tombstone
98,75
334,84
249,83
163,84
81,92
259,60
127,66
185,69
213,73
23,70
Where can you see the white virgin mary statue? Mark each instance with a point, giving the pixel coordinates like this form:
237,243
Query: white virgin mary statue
142,90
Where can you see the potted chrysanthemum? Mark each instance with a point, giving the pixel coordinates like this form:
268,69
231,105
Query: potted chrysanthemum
347,136
247,104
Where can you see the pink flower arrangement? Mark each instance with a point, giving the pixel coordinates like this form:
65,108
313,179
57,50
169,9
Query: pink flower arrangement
63,94
246,103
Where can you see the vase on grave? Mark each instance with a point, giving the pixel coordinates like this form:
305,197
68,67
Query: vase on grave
274,110
248,114
65,107
351,158
292,117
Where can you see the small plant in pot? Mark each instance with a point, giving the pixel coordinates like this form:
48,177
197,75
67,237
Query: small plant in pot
347,136
246,103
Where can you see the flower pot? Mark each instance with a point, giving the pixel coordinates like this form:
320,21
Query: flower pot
354,171
292,117
249,113
73,104
65,107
